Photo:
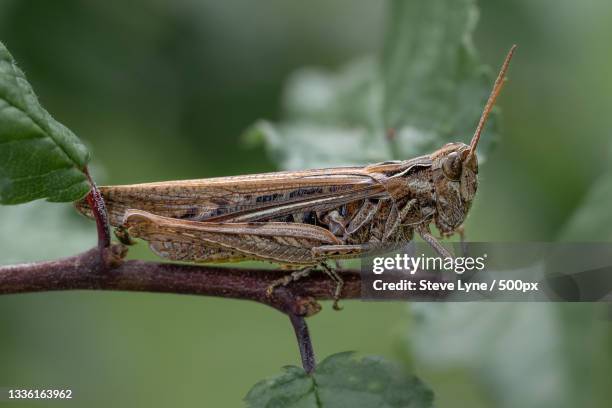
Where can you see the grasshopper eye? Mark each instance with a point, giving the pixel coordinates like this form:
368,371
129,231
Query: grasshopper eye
452,166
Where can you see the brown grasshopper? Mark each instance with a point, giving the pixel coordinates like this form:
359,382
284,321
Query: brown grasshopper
304,218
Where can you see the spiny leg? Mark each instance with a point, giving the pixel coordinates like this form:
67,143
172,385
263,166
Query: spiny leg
305,272
339,284
424,232
435,244
287,279
342,252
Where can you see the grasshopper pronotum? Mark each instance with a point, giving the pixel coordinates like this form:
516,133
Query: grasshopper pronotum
304,218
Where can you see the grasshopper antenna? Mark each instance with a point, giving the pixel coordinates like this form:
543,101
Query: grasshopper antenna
497,87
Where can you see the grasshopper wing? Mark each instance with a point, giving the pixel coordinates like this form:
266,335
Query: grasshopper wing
257,197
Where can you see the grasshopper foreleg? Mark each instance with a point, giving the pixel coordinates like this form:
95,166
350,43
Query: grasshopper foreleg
435,244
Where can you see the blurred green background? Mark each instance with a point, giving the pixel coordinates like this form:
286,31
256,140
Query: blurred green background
163,90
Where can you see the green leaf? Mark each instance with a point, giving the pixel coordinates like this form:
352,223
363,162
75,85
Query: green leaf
39,157
318,145
333,119
592,220
434,86
427,86
342,381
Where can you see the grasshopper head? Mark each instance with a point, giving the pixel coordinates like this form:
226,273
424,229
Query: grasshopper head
455,178
455,168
